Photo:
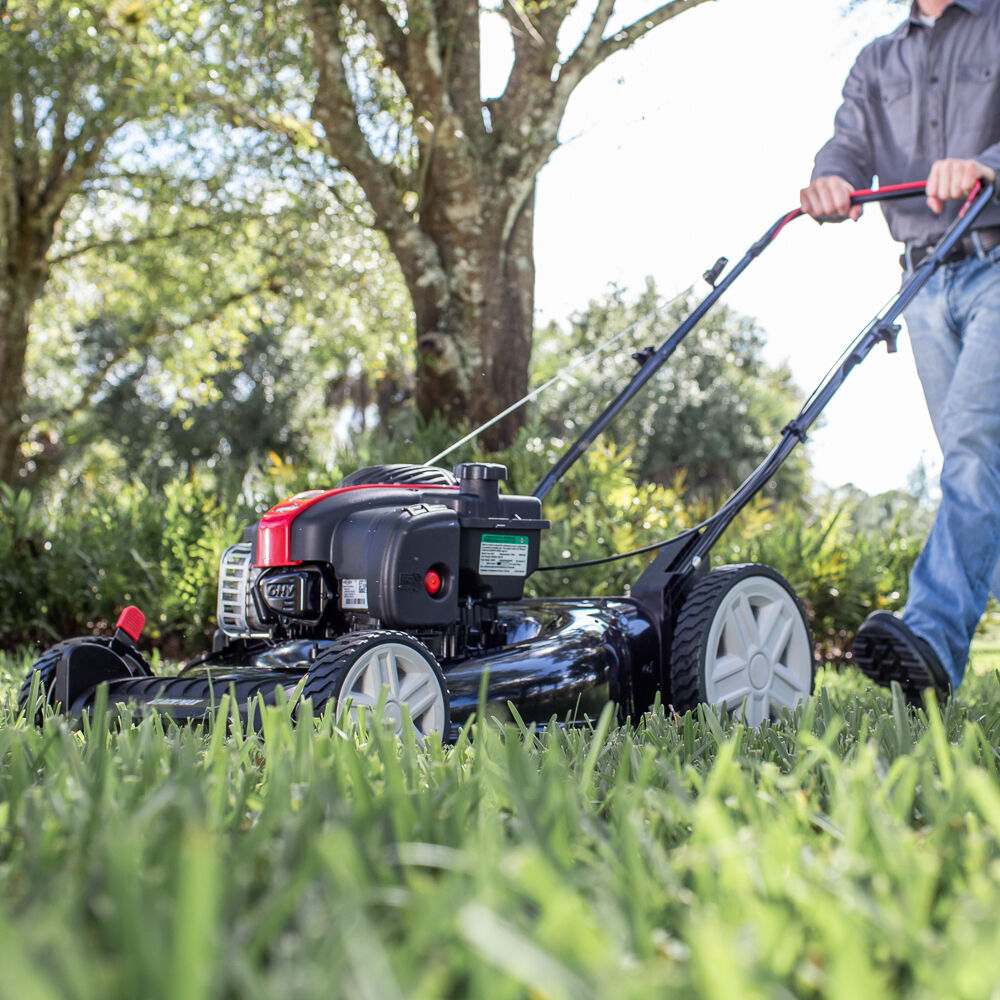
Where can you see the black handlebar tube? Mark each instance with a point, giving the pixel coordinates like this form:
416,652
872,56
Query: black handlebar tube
880,329
656,360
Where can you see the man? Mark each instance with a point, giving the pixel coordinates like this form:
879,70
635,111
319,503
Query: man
924,102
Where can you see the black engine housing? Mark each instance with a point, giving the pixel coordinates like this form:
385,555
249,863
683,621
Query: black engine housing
433,559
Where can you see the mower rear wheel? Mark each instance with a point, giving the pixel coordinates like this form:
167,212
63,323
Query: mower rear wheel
742,644
355,669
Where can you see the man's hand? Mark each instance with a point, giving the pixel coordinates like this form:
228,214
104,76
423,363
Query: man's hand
950,179
828,199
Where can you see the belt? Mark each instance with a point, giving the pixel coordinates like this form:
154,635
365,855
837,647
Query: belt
978,243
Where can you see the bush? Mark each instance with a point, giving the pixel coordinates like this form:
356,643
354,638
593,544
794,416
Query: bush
71,565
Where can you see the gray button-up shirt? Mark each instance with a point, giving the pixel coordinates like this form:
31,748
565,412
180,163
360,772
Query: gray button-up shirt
915,96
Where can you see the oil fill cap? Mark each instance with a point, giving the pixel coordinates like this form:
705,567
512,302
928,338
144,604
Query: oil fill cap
488,471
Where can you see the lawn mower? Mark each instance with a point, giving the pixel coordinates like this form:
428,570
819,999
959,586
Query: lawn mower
399,592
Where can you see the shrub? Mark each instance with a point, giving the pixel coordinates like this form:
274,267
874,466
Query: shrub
69,566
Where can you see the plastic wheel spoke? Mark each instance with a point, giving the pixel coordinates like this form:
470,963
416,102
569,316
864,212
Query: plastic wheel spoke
789,682
359,699
775,635
748,620
729,668
734,698
749,712
386,672
736,640
760,707
419,693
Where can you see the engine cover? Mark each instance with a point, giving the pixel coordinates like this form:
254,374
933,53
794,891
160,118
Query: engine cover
408,556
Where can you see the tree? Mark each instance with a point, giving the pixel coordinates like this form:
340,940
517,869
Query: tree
165,368
70,79
148,231
450,176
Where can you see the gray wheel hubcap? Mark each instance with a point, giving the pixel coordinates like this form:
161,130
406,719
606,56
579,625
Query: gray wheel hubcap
758,656
407,678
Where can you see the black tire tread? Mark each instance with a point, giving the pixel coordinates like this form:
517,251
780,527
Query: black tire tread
687,688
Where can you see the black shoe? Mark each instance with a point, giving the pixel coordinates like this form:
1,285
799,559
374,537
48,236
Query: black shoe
887,650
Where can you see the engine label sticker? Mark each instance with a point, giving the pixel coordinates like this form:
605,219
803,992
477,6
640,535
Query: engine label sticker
354,594
504,555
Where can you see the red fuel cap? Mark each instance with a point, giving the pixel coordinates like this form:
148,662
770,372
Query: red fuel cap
132,621
432,582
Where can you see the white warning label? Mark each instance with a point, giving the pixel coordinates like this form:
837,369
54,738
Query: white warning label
504,555
354,594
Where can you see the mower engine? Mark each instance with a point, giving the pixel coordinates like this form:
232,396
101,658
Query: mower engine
430,558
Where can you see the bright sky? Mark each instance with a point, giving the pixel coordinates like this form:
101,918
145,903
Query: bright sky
688,148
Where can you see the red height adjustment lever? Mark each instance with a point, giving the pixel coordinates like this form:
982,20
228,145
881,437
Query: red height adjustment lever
130,623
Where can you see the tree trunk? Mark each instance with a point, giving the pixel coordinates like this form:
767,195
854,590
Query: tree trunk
474,333
466,250
18,293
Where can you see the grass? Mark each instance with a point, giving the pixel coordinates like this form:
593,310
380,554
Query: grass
852,850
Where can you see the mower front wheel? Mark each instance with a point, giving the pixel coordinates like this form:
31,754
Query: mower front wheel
356,669
742,644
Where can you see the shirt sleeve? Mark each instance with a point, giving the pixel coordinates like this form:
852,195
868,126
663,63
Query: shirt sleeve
991,157
849,152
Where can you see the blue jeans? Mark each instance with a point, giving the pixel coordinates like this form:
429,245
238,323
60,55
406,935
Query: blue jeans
954,327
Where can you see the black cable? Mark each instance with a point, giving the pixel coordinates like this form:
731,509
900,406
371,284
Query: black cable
626,555
604,559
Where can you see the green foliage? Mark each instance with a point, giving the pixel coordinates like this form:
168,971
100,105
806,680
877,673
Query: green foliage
235,336
72,567
849,850
72,557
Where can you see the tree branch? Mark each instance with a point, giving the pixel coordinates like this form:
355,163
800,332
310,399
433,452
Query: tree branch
632,33
334,109
459,37
426,59
579,61
388,35
59,148
530,88
9,214
136,241
544,104
519,21
29,167
62,184
238,114
594,48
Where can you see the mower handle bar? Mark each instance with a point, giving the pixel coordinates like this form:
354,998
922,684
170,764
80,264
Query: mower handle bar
656,360
881,329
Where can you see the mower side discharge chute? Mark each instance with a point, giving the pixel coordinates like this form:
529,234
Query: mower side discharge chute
399,593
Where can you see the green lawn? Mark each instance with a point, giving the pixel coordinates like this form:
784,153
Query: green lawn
850,851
